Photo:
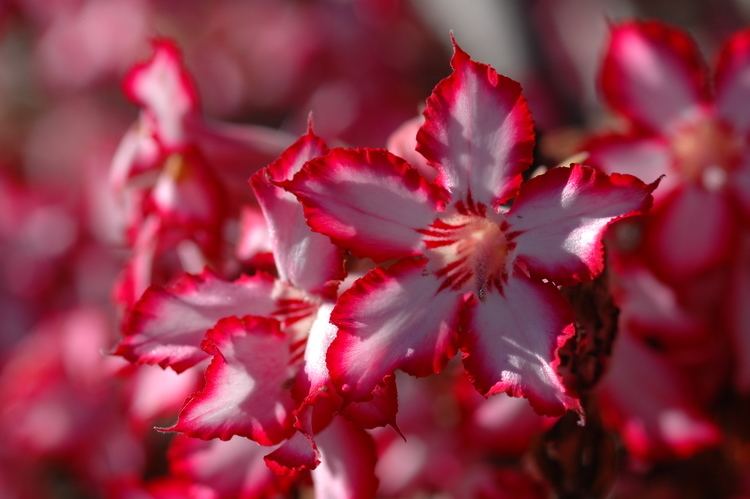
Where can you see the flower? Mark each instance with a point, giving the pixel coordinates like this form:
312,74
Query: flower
682,127
469,272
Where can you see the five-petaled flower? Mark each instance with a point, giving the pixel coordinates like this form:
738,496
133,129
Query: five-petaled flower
470,272
692,132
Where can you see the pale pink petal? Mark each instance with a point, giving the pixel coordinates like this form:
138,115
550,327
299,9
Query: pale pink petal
159,392
245,392
506,425
652,74
559,219
733,81
389,319
647,158
166,326
738,317
187,193
347,462
253,240
403,143
297,454
136,277
478,132
647,401
164,88
306,259
651,307
368,201
233,468
137,153
511,344
690,232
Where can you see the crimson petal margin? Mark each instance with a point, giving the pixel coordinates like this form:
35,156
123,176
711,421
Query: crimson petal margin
652,74
245,391
478,132
164,88
559,218
306,259
511,344
167,324
389,319
368,201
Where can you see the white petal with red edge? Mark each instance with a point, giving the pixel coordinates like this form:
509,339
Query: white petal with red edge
245,392
478,132
733,81
234,468
347,462
389,319
306,259
164,88
368,201
653,74
690,232
511,344
166,326
297,454
649,403
559,219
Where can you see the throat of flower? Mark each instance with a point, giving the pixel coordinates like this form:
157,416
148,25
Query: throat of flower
705,151
467,253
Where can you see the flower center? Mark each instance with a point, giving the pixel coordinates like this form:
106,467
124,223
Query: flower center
467,252
705,151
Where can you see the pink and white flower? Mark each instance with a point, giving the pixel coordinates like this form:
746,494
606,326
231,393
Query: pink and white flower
680,126
470,272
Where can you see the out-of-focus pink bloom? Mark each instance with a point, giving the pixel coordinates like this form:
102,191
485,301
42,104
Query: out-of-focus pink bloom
683,127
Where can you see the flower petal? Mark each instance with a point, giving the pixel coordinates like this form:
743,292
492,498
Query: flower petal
306,259
380,410
297,454
164,88
733,81
403,143
233,468
367,200
647,158
245,391
347,462
389,319
691,231
646,399
652,74
559,219
478,132
651,307
166,326
739,186
738,317
511,344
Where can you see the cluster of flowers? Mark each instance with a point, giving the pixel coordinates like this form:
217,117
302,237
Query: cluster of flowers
301,296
